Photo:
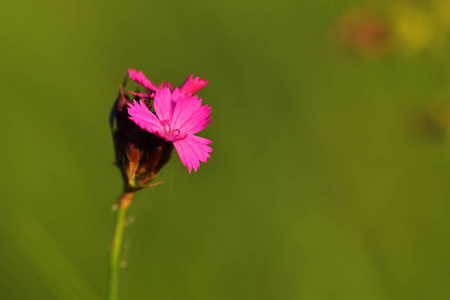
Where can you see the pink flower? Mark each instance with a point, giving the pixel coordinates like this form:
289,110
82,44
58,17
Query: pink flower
190,86
179,116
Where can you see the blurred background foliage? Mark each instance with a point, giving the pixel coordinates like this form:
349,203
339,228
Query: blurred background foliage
331,164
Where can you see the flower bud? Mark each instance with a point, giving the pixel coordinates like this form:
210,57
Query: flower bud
139,154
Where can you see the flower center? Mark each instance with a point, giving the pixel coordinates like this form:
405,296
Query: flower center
174,134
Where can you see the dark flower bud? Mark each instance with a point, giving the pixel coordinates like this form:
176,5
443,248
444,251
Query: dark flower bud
139,154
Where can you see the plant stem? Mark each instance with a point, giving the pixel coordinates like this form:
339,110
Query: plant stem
124,203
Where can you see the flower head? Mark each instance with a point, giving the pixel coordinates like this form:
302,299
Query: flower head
178,117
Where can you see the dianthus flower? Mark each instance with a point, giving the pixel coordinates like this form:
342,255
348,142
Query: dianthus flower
190,86
179,116
144,140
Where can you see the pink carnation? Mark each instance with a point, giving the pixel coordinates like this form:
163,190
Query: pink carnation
179,116
190,86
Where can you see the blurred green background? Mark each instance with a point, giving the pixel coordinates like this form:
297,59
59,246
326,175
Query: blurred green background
317,188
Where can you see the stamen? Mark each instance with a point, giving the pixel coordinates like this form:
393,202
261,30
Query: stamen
176,133
166,126
169,133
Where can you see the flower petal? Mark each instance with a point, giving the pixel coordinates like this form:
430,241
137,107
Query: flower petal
144,118
140,78
198,121
192,85
189,116
163,104
192,150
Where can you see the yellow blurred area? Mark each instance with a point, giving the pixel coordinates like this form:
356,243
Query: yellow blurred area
441,8
414,27
394,27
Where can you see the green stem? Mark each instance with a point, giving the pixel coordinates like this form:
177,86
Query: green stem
124,203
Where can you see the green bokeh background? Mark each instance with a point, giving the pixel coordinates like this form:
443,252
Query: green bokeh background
315,189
